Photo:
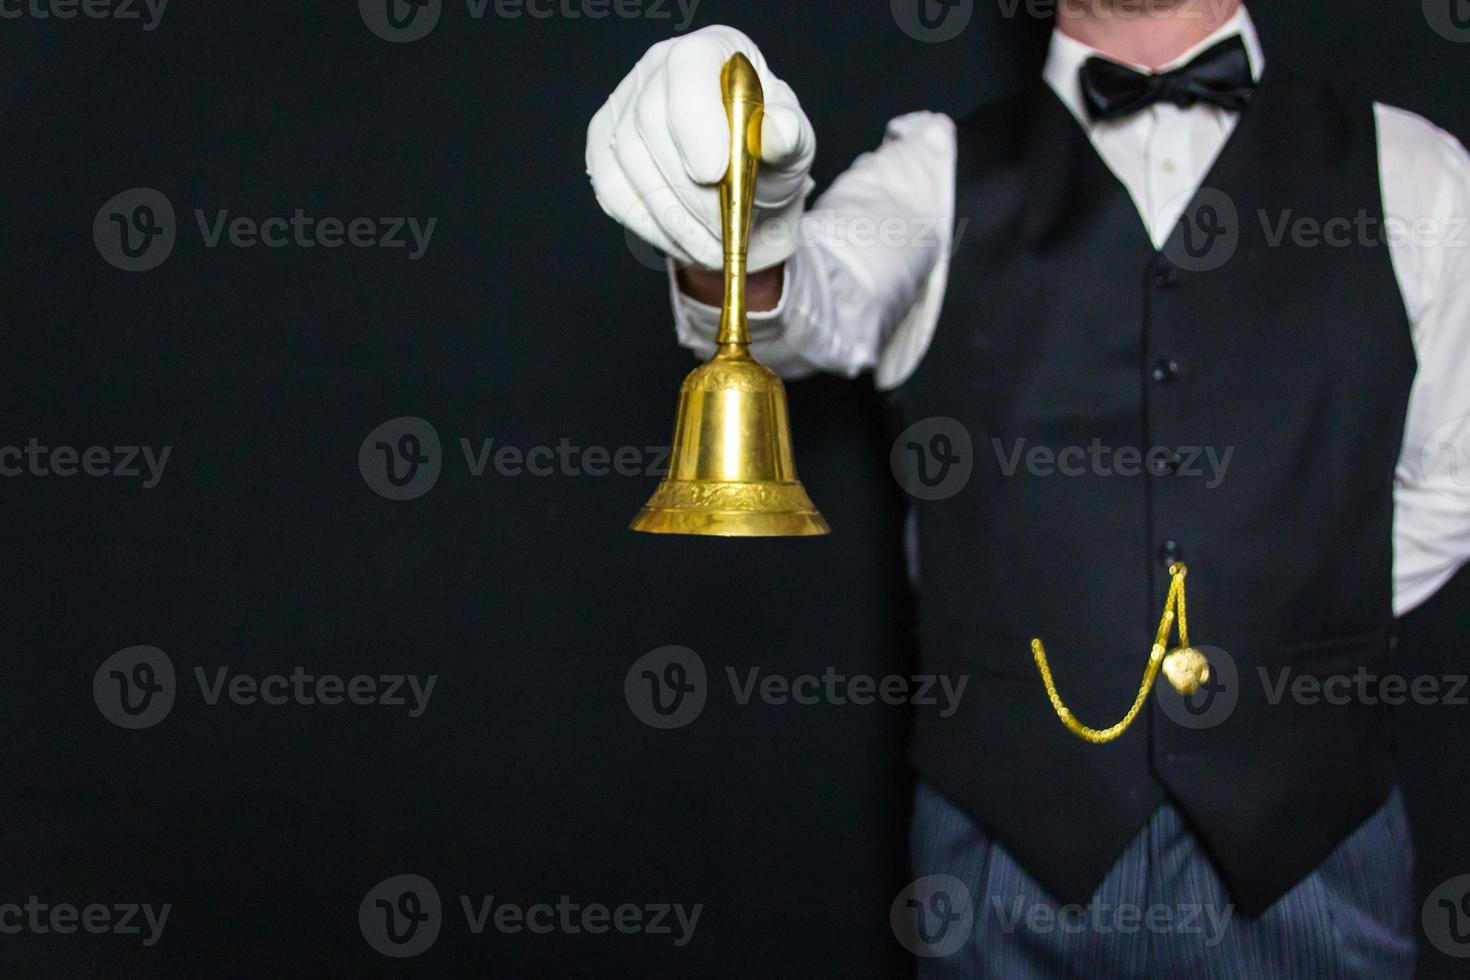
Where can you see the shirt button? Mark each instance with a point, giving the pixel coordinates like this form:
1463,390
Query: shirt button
1164,463
1165,371
1169,167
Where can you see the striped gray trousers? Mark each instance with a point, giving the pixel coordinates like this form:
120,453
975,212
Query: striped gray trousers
1161,912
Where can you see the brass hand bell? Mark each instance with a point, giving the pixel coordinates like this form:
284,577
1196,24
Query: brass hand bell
731,471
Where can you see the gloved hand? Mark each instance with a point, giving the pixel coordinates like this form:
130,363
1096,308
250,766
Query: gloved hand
659,146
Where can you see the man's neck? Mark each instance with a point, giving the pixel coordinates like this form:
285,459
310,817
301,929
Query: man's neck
1150,33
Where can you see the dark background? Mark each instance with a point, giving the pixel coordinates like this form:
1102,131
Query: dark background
530,321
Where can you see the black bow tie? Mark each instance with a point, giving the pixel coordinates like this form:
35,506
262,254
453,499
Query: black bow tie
1220,76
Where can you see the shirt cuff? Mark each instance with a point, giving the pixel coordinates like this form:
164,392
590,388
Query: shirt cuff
698,324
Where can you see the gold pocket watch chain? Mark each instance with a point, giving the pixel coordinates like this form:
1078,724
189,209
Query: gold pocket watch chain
1184,666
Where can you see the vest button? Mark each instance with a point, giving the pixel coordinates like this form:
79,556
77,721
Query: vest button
1171,552
1165,277
1164,463
1165,371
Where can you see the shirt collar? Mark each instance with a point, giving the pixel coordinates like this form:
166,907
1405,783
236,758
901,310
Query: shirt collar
1066,55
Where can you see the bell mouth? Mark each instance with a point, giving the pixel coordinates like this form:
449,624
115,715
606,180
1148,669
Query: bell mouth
735,510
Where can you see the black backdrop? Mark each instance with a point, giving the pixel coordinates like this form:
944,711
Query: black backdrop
529,320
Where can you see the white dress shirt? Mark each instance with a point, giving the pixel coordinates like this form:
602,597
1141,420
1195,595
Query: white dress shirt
864,288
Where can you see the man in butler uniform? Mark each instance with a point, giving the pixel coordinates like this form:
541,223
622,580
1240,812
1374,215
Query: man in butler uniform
1120,262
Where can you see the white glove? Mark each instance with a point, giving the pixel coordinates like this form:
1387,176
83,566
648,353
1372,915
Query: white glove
659,146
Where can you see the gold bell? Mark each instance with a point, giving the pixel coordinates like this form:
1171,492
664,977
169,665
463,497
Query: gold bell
1187,669
731,469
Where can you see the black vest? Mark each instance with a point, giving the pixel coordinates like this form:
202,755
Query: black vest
1064,327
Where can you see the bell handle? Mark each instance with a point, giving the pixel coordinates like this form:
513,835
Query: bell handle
745,110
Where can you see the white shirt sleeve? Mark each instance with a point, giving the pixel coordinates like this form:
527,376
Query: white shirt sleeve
863,288
1426,200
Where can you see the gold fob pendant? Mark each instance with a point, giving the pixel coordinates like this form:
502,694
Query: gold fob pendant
1184,666
731,469
1187,670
